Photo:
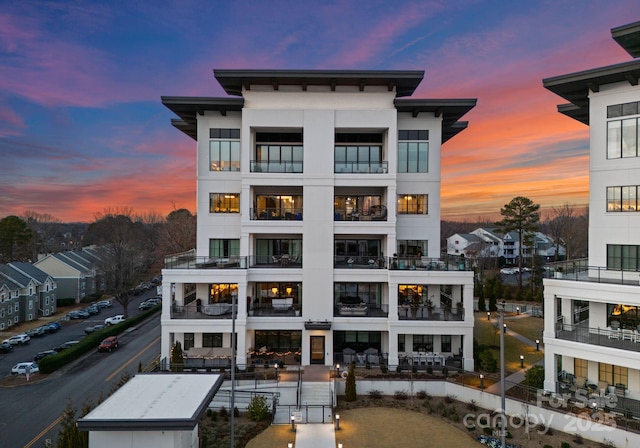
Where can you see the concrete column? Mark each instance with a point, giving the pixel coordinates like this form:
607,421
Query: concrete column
550,369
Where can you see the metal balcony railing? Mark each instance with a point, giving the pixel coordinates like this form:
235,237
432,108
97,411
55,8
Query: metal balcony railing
276,166
361,167
372,213
624,339
579,270
277,214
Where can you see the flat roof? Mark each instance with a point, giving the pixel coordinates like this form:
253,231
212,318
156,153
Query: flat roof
451,111
155,402
575,87
403,81
628,37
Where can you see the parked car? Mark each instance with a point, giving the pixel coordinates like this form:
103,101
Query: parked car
21,368
36,332
65,345
147,304
18,339
155,300
5,347
114,319
44,354
108,344
103,304
92,309
94,328
508,271
53,326
78,314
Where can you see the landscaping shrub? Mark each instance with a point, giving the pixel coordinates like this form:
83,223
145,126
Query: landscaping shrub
577,439
258,409
565,445
375,394
350,386
400,395
421,394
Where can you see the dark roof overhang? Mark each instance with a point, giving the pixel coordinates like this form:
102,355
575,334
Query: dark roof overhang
451,111
575,87
187,108
403,81
628,37
317,325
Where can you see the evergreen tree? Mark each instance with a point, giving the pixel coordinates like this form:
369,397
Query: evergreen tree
177,358
350,387
69,435
482,306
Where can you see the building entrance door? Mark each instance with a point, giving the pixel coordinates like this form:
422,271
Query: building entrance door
317,350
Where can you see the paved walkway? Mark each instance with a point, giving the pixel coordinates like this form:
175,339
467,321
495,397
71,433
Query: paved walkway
315,435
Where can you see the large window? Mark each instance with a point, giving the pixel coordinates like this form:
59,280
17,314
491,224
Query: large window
211,340
356,293
623,256
356,340
189,341
271,206
224,203
359,250
278,152
580,368
423,343
622,199
412,248
219,248
278,341
224,150
359,153
413,151
267,291
223,293
358,208
622,138
613,375
272,250
445,343
413,204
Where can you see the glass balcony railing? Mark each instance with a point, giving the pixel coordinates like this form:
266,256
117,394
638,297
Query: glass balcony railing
361,167
276,166
276,214
372,213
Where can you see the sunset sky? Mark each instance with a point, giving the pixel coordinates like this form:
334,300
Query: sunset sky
82,127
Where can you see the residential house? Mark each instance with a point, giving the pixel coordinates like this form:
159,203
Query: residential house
75,273
27,293
592,308
319,215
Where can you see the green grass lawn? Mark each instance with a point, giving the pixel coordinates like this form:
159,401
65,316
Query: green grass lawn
486,333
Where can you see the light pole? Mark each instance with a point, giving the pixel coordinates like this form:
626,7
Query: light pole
488,315
502,390
232,442
337,422
481,381
522,361
276,369
293,423
537,345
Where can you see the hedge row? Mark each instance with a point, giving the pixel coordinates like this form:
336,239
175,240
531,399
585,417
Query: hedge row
91,341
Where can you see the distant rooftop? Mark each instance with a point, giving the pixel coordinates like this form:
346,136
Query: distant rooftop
155,402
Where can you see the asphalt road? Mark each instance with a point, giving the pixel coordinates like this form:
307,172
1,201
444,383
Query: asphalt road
29,414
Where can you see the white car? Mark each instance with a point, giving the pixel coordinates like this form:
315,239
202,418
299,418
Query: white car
508,271
21,368
114,319
18,339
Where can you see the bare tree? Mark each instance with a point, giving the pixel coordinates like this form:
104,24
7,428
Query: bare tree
123,247
569,229
45,228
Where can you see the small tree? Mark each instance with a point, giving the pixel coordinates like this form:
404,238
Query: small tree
177,357
258,410
534,377
488,361
482,306
350,387
69,435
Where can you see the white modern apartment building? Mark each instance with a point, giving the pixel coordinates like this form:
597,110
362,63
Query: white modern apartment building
318,196
592,311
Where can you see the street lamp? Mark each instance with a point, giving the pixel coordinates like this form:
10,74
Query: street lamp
481,381
537,345
337,422
503,426
521,361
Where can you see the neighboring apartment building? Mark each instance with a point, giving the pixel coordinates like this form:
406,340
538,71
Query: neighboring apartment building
75,272
26,293
487,243
318,196
592,313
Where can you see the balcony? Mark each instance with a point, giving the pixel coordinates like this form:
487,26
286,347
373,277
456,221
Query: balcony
406,312
626,339
275,261
451,263
579,270
189,261
373,213
276,214
277,308
361,310
361,168
276,166
193,311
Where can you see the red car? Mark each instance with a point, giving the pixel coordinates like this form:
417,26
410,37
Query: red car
108,344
